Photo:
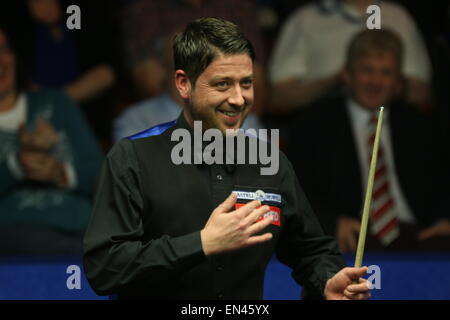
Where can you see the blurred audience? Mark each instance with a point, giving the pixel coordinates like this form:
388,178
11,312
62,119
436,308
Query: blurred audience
147,23
48,163
58,57
308,58
83,62
333,143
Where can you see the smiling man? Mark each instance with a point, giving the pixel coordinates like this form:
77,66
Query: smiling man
166,231
222,95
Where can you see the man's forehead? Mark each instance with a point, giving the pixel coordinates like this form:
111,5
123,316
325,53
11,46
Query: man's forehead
236,65
378,56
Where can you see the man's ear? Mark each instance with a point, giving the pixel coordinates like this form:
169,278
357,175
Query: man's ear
182,83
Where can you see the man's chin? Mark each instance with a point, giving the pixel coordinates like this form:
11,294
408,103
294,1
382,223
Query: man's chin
373,105
230,128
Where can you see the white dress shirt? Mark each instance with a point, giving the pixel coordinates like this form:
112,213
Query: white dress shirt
313,44
10,121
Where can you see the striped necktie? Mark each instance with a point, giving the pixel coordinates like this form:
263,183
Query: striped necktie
383,216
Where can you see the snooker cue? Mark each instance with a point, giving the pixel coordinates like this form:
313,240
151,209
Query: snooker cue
368,198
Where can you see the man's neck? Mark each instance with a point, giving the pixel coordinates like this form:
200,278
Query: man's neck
7,101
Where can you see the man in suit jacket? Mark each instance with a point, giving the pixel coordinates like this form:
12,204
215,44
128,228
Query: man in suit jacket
330,152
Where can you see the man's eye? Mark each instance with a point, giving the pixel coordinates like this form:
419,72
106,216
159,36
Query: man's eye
247,83
222,84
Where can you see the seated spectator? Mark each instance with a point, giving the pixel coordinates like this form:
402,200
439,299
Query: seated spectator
83,62
331,147
309,55
48,163
63,58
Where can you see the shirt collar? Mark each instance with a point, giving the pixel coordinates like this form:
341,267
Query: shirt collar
361,115
182,123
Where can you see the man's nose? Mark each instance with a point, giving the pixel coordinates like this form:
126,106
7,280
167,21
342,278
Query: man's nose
236,98
377,79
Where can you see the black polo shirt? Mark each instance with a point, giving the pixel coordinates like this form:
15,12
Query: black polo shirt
143,240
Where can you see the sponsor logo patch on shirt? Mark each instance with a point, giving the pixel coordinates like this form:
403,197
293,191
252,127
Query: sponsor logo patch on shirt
273,200
274,212
258,195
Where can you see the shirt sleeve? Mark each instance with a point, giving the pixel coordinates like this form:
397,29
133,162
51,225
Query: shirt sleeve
128,123
117,254
313,256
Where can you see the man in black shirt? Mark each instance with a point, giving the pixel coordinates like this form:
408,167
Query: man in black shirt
206,231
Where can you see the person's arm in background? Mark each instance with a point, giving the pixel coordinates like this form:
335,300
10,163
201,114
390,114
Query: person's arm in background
91,83
290,94
99,66
30,158
35,158
288,66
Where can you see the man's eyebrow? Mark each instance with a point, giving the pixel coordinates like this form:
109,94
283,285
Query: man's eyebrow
220,77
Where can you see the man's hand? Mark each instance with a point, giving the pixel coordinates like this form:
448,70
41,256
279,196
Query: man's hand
42,138
226,230
441,228
347,234
40,166
341,286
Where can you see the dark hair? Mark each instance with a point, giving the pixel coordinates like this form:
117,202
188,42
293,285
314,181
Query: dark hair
203,40
375,41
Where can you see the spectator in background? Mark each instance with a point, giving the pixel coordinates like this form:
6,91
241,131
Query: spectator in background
331,150
48,162
83,62
162,108
147,23
58,59
309,55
